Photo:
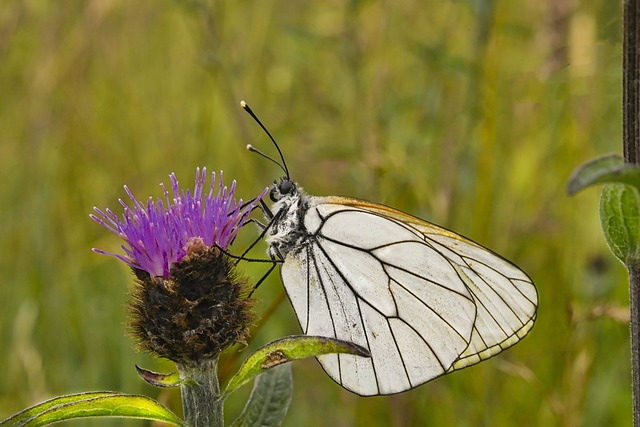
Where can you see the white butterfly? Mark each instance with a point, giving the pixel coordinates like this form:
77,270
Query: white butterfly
423,300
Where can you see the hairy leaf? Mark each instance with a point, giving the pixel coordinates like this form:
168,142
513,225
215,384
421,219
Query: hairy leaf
93,404
620,218
609,168
270,398
288,349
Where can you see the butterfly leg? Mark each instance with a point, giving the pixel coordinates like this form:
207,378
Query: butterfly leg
260,225
243,258
248,202
264,276
265,209
265,228
275,259
244,205
278,258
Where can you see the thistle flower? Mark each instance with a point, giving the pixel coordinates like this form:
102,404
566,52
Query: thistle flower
189,303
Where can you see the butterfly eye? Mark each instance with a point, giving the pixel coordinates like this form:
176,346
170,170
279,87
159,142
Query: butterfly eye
286,187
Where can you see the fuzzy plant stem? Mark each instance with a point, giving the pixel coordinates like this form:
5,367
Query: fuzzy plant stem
634,283
631,141
200,389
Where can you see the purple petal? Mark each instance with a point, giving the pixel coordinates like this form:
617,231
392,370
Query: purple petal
156,233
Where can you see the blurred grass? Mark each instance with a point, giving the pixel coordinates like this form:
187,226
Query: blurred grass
469,114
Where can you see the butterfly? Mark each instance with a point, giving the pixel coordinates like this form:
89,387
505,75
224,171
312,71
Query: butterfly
423,300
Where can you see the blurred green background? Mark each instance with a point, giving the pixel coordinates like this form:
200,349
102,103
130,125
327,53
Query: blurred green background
471,114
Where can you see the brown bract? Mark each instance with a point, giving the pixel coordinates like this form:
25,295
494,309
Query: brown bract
195,313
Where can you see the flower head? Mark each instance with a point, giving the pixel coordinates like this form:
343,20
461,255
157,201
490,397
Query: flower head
190,302
158,234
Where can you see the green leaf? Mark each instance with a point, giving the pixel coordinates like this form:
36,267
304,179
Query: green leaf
93,404
609,168
270,398
288,349
158,379
620,219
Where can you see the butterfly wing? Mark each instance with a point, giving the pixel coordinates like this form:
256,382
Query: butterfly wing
423,300
505,297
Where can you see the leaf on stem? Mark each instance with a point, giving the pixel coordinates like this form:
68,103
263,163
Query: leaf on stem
609,168
93,404
159,379
270,398
288,349
620,219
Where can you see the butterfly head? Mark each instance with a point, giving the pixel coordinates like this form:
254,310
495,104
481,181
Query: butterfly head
285,187
288,197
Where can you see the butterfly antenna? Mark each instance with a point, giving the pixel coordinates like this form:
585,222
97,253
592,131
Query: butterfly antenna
255,150
283,166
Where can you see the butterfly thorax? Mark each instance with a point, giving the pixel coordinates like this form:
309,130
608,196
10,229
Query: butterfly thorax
286,231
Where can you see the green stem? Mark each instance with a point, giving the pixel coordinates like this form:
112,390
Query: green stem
200,389
634,287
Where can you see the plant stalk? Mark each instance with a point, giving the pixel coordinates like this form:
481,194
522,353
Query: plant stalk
631,81
200,390
634,284
631,143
